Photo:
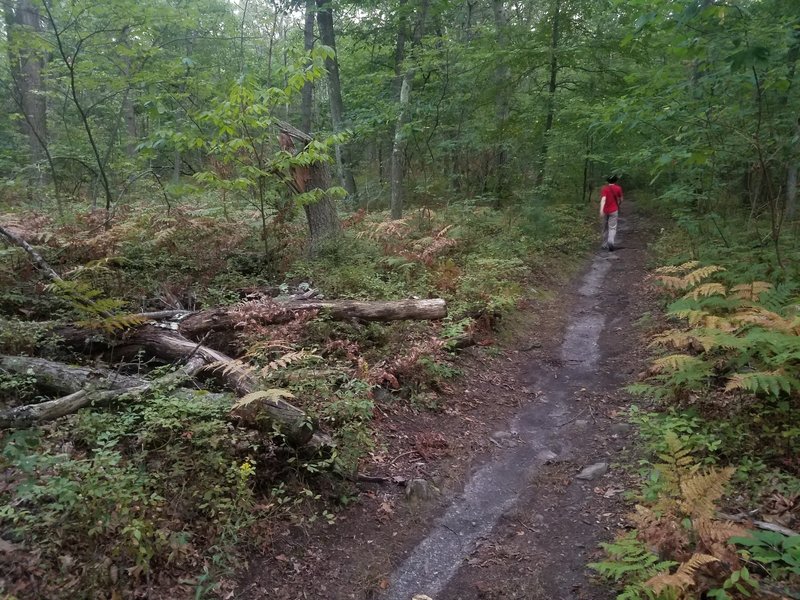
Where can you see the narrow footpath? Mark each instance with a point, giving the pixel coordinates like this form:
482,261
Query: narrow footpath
526,514
537,479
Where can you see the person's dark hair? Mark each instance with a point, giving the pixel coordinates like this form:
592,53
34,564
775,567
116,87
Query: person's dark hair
612,179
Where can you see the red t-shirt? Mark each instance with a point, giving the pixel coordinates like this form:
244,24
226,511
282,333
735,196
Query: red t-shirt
613,194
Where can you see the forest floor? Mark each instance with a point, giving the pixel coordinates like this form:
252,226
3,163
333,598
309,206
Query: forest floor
491,503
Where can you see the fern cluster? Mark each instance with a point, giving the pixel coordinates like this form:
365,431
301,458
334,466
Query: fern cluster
679,549
94,309
743,336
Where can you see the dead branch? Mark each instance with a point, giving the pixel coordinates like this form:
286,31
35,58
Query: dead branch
13,239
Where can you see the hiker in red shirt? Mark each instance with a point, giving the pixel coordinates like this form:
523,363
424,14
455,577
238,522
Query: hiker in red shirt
610,201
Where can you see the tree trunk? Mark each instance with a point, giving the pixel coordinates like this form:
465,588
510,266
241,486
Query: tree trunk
323,221
55,377
551,91
26,67
404,114
791,188
131,138
502,74
328,37
399,147
307,100
95,386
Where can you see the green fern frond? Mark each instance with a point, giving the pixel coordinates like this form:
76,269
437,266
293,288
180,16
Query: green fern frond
779,296
760,382
629,558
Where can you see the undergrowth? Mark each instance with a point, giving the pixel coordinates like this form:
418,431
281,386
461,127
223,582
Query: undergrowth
163,492
723,393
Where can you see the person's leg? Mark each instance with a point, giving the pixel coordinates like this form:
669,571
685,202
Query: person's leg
612,229
604,235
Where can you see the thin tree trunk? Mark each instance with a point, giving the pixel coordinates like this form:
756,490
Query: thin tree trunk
69,62
26,67
130,126
551,90
328,37
791,176
501,76
404,116
587,188
307,99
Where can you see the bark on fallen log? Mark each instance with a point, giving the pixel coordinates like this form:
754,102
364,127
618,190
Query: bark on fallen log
60,378
83,386
398,310
219,324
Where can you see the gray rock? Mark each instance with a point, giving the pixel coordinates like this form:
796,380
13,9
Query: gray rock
592,472
504,439
546,456
581,423
621,428
419,490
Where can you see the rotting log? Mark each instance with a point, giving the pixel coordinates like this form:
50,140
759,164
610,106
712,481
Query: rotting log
390,310
217,320
61,378
218,326
84,386
172,347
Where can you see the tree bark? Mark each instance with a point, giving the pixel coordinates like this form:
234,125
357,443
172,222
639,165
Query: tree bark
551,91
328,37
307,98
404,114
85,386
503,97
323,221
273,412
217,326
26,67
12,238
55,377
791,175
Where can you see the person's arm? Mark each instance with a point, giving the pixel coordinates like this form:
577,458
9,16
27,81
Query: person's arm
602,205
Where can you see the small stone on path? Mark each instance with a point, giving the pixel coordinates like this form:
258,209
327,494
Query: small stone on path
621,428
419,490
593,471
546,456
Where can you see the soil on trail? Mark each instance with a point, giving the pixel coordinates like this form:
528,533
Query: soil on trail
505,511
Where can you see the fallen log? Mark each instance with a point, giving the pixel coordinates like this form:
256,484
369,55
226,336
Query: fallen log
85,386
289,420
220,323
273,413
60,378
390,310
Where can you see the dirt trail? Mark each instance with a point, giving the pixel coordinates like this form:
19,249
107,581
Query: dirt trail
559,427
516,523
